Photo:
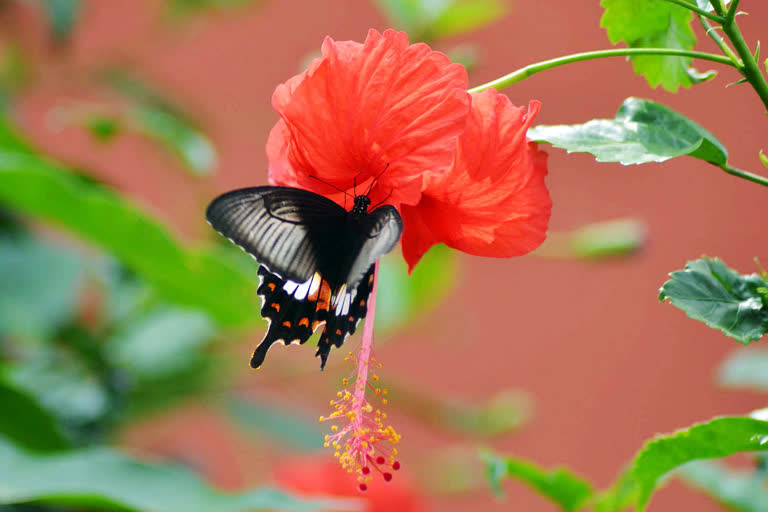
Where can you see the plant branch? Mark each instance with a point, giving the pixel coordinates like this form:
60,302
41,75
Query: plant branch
749,67
712,33
695,8
755,178
527,71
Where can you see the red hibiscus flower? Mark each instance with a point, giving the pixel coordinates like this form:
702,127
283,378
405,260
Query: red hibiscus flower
323,478
397,117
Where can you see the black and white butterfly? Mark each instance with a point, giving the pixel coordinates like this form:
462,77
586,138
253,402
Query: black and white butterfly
317,259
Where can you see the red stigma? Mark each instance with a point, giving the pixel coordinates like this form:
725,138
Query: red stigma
380,460
387,476
396,465
365,470
363,487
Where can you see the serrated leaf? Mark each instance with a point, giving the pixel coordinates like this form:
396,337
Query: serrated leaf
738,490
708,291
643,131
200,279
652,24
106,480
717,438
745,369
569,491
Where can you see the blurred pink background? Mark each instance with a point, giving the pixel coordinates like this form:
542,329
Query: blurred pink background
607,365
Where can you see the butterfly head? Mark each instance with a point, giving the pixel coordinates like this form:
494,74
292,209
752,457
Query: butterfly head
361,205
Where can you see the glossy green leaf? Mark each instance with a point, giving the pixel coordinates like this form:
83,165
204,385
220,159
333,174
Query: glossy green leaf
745,369
401,297
742,491
708,291
62,16
195,278
102,479
162,342
39,286
25,422
643,131
569,491
652,24
717,438
277,424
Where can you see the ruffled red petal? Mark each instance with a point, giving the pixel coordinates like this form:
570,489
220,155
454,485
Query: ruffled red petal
363,108
493,201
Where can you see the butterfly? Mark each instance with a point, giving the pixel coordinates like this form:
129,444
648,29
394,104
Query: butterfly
316,259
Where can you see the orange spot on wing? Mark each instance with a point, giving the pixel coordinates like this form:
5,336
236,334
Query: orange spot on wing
287,324
304,321
324,296
351,319
338,331
362,303
271,286
275,306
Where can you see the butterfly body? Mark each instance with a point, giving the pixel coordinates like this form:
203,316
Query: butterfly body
316,259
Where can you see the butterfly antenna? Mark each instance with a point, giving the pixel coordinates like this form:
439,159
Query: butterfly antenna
382,201
376,178
330,185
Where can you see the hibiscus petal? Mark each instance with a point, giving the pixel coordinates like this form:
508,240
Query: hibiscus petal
493,201
361,109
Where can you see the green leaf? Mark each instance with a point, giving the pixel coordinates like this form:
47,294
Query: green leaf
105,480
425,20
463,16
407,297
717,438
62,16
643,131
745,369
763,158
608,239
652,24
708,291
39,287
277,424
195,278
569,491
25,422
186,7
742,491
164,342
706,4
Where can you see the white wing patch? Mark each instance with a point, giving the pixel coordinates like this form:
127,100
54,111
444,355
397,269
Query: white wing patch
301,291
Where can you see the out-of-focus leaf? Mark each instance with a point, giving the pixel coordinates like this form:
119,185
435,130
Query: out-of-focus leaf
745,369
194,278
643,131
716,438
464,54
105,480
652,24
761,155
705,4
103,128
161,120
425,20
741,491
401,298
708,291
502,413
25,422
463,16
569,491
14,73
609,239
62,16
179,137
39,287
165,341
182,7
276,424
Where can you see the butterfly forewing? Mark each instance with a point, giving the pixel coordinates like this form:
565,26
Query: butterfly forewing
379,232
290,230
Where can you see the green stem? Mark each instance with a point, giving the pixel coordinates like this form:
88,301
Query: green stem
746,175
712,33
527,71
695,8
749,68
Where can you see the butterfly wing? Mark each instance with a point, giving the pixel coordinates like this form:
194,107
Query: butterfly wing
375,235
292,231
